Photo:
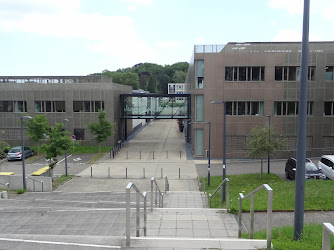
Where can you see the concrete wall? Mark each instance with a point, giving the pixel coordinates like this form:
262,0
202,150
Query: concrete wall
16,182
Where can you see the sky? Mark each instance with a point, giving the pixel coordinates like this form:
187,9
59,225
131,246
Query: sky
80,37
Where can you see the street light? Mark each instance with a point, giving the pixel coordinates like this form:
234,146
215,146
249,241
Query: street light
209,156
269,145
22,149
65,120
224,145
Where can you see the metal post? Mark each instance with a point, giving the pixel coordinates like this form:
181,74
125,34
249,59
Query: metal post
126,173
156,195
269,144
127,233
145,213
302,123
91,171
42,186
144,173
65,120
152,194
162,173
179,173
239,216
269,217
23,155
251,217
108,172
137,213
220,200
180,154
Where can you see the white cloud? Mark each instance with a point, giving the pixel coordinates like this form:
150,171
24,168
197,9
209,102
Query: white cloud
199,40
292,36
169,44
294,7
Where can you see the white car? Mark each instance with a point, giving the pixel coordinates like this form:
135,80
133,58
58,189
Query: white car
326,164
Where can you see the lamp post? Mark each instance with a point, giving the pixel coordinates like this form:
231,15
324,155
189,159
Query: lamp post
209,156
269,144
65,121
224,145
23,156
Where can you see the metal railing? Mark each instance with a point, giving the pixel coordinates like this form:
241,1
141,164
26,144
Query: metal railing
34,183
166,184
138,195
161,194
7,184
327,232
269,212
220,187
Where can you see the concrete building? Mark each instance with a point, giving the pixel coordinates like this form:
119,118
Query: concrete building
258,82
177,88
76,98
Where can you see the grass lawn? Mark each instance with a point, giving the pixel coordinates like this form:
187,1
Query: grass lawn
78,149
56,183
316,192
282,238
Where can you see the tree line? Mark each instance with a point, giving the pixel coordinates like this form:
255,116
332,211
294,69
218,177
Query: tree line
149,76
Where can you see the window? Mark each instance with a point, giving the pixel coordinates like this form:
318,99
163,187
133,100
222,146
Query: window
79,133
329,73
199,108
290,108
244,74
49,106
292,73
328,108
87,106
13,106
200,74
244,108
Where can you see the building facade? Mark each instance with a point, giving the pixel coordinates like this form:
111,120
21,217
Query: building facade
76,98
259,83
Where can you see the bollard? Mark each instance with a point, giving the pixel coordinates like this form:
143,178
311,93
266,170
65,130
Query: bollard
180,153
91,171
108,172
144,173
162,172
126,173
179,173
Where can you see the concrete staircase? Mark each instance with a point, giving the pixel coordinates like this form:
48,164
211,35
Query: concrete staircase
65,220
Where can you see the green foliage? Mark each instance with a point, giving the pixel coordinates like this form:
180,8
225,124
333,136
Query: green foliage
37,128
59,141
62,179
151,86
316,192
162,75
282,237
3,146
20,191
260,145
102,129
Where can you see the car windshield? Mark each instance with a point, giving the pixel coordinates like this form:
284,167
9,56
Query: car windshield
15,150
310,166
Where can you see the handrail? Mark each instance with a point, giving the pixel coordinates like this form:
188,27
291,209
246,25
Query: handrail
327,231
27,177
166,184
221,194
269,212
138,195
7,184
161,194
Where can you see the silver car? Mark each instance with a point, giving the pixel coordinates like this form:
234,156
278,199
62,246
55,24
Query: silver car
16,153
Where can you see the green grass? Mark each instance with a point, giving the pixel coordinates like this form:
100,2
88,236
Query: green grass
316,192
282,238
56,183
20,191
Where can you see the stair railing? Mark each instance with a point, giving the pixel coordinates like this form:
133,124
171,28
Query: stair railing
327,231
2,194
36,181
138,195
220,187
166,184
157,191
269,212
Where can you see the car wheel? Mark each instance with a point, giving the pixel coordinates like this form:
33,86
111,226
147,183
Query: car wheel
287,175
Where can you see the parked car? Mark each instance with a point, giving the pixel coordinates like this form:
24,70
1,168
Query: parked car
326,164
311,170
16,153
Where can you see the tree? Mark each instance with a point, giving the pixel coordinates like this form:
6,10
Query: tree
151,85
37,128
59,141
260,146
179,76
102,129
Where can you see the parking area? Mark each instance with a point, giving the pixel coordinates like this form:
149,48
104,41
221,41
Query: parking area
75,164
